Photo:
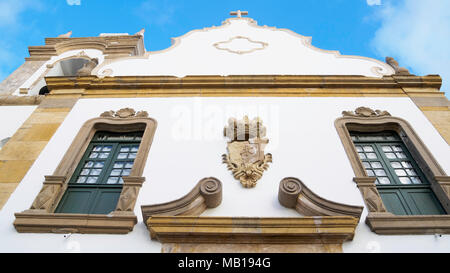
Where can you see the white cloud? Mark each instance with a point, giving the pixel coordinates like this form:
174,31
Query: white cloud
373,2
417,34
73,2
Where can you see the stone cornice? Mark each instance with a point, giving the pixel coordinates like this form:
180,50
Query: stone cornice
232,230
124,45
224,85
21,100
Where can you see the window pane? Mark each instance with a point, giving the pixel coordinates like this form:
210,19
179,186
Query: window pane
390,155
93,155
359,149
362,156
85,172
400,172
118,165
397,148
406,164
405,180
81,179
376,165
125,149
370,173
416,180
411,172
91,180
384,180
89,164
400,155
386,148
380,172
107,148
116,172
112,180
366,165
396,165
132,155
96,171
104,155
122,156
97,148
126,172
371,155
368,149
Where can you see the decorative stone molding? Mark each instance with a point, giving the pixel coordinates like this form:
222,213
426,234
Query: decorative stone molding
246,158
124,113
245,85
389,224
129,194
111,46
21,100
206,194
370,193
379,220
293,193
87,67
41,217
240,45
35,222
365,112
46,197
252,230
398,70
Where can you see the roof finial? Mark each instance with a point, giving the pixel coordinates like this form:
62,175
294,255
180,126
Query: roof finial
238,13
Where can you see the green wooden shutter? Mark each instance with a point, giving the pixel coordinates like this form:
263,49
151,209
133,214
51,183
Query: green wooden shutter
402,186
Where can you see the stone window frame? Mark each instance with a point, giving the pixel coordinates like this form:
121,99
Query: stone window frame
40,218
380,221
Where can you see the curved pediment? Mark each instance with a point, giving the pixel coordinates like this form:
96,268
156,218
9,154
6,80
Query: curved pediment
240,47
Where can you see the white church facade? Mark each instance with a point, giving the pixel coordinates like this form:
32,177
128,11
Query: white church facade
236,138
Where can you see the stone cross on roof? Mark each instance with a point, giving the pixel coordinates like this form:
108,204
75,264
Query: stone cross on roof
239,13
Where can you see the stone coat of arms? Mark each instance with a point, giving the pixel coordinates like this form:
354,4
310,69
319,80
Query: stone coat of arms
246,158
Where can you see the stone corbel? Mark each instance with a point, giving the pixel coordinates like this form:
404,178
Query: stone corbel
46,198
370,194
129,194
293,193
206,194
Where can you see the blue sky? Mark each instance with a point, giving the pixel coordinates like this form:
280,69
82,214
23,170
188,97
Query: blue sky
415,32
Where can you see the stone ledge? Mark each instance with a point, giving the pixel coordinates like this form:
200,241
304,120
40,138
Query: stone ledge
390,224
37,222
244,230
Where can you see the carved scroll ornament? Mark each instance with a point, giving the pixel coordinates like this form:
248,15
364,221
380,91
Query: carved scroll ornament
124,113
293,193
246,158
398,70
365,112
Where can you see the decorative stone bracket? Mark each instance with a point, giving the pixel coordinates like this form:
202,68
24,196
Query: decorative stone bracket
293,193
46,198
206,194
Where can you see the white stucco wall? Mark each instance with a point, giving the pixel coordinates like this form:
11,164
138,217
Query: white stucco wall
188,145
12,117
240,47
